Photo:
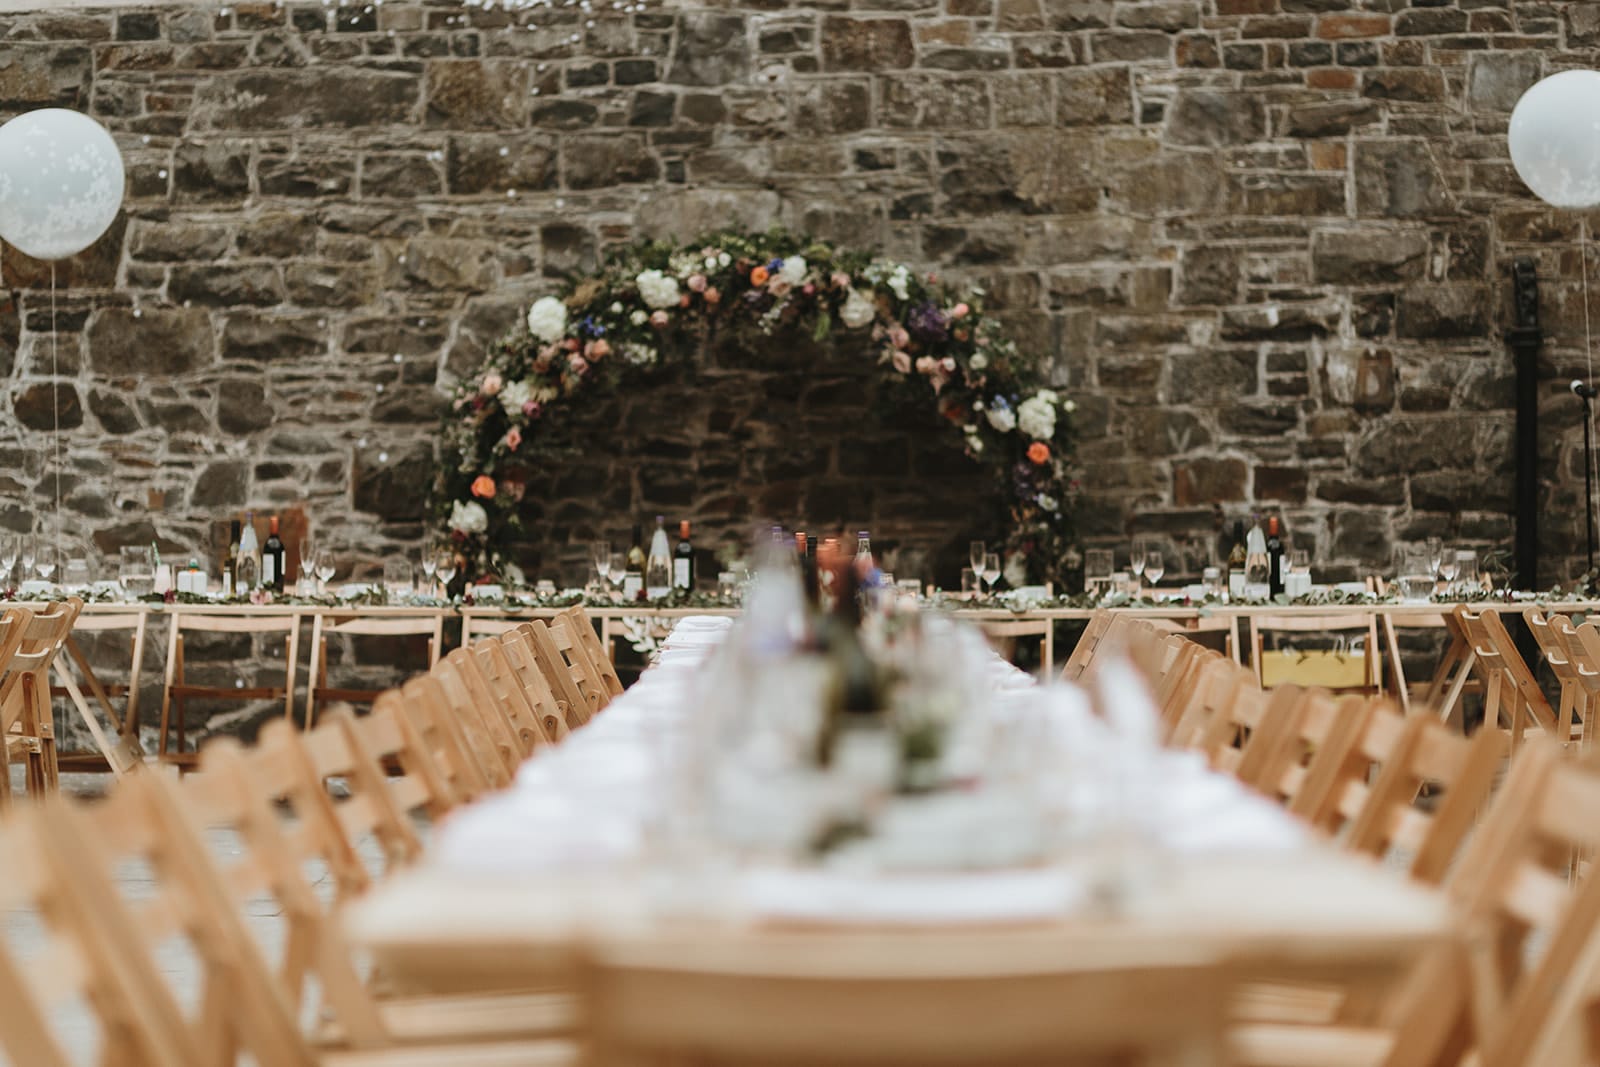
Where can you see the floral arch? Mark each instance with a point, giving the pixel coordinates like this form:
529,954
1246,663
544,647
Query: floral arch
656,304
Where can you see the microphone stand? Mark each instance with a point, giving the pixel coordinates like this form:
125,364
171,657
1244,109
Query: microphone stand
1587,393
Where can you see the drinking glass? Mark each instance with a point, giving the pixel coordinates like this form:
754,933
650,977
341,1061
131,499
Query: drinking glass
136,572
29,553
1136,559
991,568
1447,566
10,547
325,569
445,567
1299,559
1097,566
1466,569
1416,580
45,562
429,565
600,554
1153,567
975,553
76,574
1435,554
970,581
308,566
397,577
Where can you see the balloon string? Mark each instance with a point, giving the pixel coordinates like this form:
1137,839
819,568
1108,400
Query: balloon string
55,404
1583,248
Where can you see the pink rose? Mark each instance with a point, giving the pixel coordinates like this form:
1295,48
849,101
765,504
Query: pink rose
542,362
841,280
809,289
927,365
713,295
513,439
599,348
491,384
899,338
960,311
658,319
577,363
531,409
683,301
778,287
902,362
697,283
571,344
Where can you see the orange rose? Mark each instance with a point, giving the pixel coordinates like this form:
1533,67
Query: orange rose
1039,452
759,276
483,486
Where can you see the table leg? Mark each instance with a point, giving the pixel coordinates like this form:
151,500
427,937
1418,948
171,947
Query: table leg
82,663
1396,670
1236,640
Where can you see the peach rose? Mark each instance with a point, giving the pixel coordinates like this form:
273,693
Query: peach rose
577,363
902,362
599,348
483,486
492,383
658,319
697,283
841,280
713,295
898,337
960,311
927,365
1039,453
513,439
759,276
683,301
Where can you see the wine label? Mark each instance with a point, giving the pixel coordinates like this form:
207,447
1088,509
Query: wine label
631,586
680,573
268,570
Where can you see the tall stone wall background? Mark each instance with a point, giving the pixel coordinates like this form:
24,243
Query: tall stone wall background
1207,214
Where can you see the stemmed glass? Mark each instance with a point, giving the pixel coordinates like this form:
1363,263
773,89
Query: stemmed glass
325,570
308,566
1435,554
975,553
1447,570
601,556
45,564
1153,567
991,569
430,563
29,554
445,566
10,546
1136,561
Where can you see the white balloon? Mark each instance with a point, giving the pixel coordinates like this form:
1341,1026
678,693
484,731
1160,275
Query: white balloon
1555,139
61,182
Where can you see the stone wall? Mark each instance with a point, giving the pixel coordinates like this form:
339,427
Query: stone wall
1207,213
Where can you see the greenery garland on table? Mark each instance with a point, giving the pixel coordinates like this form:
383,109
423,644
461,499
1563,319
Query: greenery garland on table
657,304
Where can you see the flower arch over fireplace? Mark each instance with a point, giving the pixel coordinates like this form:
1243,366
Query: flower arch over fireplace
657,305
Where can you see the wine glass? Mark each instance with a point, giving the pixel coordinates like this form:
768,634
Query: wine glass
430,563
45,562
1447,568
10,546
308,566
991,568
29,554
1435,554
1136,560
445,566
1153,567
601,556
975,553
325,570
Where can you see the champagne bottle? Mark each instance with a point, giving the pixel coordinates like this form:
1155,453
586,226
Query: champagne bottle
272,558
1274,556
247,570
658,565
633,577
683,559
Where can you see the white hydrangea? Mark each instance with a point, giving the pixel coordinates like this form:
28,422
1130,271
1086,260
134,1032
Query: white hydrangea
857,311
1047,502
657,290
639,355
1070,406
793,270
547,319
515,394
899,279
978,361
1002,419
975,443
469,517
723,259
1037,415
616,309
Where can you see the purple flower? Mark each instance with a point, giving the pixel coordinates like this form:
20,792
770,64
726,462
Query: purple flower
774,266
928,323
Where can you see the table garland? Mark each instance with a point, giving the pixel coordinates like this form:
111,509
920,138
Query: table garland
657,304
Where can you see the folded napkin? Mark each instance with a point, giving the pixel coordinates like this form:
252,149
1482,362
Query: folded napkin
840,897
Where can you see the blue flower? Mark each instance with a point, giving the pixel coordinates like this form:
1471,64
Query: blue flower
775,266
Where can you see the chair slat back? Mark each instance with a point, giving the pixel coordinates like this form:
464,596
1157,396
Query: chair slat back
1228,735
425,704
1215,686
1083,653
1509,686
470,703
584,673
599,655
517,645
557,674
42,631
509,695
1318,726
423,786
1363,625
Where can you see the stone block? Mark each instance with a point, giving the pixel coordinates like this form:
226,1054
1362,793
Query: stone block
280,176
261,338
838,106
327,96
711,49
1443,312
1497,80
496,163
116,415
310,284
1198,482
1203,117
1283,484
1369,256
1200,377
150,342
242,406
255,285
594,161
1209,275
221,486
43,75
211,170
178,240
44,405
391,481
866,44
1361,535
477,94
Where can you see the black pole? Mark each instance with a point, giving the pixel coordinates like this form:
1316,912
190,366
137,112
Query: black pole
1588,474
1525,339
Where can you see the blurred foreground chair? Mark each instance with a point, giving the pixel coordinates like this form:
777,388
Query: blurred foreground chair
35,638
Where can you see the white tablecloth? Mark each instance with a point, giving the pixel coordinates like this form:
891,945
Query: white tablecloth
590,806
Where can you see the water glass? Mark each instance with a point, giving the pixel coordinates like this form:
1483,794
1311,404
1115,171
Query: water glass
136,571
1154,568
969,581
975,553
76,575
991,569
1466,569
397,578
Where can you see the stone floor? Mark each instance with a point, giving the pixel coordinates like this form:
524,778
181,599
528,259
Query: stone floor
75,1025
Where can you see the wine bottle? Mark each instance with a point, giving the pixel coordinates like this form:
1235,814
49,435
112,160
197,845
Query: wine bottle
1274,556
272,558
658,565
1236,558
633,577
800,544
864,564
1257,568
247,570
683,559
229,584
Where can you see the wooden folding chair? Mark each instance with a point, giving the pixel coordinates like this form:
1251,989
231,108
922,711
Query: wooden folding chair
179,691
1510,690
565,633
27,723
517,644
241,792
120,756
559,674
1361,625
1229,734
1213,687
426,705
327,624
1499,995
599,654
1576,668
468,701
424,787
1318,725
1100,626
525,713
